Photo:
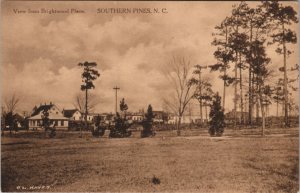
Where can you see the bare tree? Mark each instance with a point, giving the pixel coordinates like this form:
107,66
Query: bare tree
179,74
79,102
11,103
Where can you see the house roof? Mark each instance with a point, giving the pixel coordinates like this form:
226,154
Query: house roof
42,108
51,116
141,115
69,113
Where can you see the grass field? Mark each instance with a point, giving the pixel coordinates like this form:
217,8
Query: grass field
233,163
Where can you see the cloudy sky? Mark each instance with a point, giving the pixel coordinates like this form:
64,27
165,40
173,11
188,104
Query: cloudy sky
40,51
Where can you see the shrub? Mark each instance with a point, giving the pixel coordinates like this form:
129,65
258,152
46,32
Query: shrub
121,128
98,129
216,124
147,123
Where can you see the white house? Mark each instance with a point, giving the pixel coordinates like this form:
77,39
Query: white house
73,114
90,117
159,116
55,116
173,119
138,117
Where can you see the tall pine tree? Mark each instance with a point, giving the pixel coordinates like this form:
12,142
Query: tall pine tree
282,17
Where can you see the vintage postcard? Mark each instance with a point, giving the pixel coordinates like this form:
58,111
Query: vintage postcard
149,96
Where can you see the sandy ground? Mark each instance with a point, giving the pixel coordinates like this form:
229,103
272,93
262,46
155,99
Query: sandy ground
182,164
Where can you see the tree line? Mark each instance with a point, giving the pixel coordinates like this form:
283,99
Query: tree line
241,40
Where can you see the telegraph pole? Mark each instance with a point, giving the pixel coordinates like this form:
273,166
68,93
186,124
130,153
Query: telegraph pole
116,88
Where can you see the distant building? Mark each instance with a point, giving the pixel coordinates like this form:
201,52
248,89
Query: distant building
55,116
90,116
107,118
171,119
185,119
137,117
73,114
76,115
160,117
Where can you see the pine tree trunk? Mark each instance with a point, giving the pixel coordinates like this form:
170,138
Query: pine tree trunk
224,89
201,116
4,125
200,100
257,104
206,114
86,109
277,103
250,84
286,119
225,69
241,93
266,114
252,97
277,109
262,111
282,115
235,90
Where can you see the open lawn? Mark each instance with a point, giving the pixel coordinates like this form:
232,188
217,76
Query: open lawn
237,163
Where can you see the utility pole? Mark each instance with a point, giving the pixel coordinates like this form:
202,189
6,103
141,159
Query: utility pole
116,88
200,90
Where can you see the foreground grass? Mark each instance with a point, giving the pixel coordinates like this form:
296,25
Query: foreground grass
189,164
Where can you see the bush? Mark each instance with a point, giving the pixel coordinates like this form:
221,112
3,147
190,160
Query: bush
121,128
216,124
147,129
98,129
147,124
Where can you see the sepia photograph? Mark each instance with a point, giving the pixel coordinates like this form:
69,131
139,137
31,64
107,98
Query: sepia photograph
149,96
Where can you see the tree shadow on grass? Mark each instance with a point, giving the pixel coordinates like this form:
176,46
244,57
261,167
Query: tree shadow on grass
290,185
